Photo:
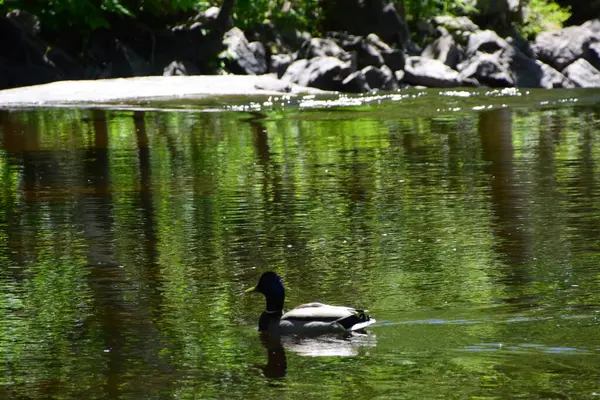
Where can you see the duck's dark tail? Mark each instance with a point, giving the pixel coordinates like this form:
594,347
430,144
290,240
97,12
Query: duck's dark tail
357,321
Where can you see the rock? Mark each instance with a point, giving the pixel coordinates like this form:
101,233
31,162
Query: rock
323,72
445,50
280,63
592,25
73,93
494,62
395,60
210,14
356,82
318,47
488,69
131,62
583,74
110,57
561,48
278,39
380,78
275,85
345,40
507,66
293,37
379,44
530,73
71,68
552,79
485,42
460,28
592,52
454,24
516,40
205,21
369,55
399,75
260,53
28,22
423,71
181,68
370,50
207,16
22,60
118,60
240,56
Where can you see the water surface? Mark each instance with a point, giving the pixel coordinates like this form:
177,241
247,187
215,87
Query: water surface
468,223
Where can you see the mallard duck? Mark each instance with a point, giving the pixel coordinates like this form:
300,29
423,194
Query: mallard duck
311,318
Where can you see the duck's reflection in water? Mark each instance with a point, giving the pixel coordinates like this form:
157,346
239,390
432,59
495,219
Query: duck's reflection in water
347,345
276,366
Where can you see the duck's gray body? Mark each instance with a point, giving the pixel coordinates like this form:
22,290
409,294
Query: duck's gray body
306,319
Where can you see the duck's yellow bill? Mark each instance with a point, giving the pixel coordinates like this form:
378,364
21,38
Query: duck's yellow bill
250,290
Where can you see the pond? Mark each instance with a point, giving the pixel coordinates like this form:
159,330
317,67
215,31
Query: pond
468,223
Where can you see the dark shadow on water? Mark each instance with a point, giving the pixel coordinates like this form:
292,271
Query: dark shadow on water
495,131
276,366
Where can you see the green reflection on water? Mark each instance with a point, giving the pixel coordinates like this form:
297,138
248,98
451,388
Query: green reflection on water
127,239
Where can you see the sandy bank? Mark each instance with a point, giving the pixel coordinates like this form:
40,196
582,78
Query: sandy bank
127,90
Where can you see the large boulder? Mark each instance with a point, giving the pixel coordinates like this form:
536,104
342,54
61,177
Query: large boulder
368,54
369,50
242,57
592,52
583,74
495,62
509,67
454,24
392,58
488,69
485,42
563,47
319,47
70,68
549,78
323,72
445,50
23,61
28,22
280,63
111,57
380,78
421,71
356,82
181,68
459,27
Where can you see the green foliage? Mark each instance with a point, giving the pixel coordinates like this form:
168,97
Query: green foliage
88,15
303,15
544,15
419,9
93,14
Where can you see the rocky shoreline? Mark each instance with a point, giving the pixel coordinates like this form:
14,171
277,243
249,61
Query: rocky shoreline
456,52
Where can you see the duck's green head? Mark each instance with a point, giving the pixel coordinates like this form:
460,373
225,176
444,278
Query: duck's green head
271,287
